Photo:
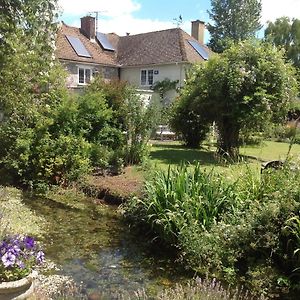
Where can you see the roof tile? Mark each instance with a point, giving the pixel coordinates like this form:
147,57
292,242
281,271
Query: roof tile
151,48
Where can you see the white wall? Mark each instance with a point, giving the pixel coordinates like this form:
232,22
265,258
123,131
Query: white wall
170,71
173,72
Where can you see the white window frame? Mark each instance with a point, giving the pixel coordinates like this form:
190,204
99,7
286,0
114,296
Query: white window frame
85,68
147,83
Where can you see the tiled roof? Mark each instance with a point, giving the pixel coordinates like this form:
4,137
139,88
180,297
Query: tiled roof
158,47
65,51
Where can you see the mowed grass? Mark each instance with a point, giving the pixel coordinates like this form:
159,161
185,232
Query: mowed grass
271,151
174,153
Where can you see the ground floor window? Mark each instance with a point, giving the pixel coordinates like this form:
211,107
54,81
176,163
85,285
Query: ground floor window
146,77
84,75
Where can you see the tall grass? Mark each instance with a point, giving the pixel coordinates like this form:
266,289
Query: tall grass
234,229
184,196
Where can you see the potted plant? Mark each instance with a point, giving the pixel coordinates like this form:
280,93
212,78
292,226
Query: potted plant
18,257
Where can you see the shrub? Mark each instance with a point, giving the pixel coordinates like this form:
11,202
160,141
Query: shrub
139,119
238,230
183,197
188,123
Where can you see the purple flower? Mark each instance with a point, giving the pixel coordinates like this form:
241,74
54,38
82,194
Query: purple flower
40,257
3,247
29,242
20,264
8,259
15,249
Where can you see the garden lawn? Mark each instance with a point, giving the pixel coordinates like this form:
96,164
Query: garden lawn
271,151
172,153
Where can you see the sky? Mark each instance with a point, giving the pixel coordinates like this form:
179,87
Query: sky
138,16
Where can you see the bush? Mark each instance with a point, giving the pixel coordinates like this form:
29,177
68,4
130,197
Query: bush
242,231
188,123
54,137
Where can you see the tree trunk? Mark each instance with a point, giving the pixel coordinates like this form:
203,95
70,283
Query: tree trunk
228,141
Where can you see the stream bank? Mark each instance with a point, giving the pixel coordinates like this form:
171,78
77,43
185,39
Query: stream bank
94,253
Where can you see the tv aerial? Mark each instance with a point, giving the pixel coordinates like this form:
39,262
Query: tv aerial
97,13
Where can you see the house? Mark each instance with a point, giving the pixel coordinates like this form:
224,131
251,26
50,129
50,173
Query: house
140,59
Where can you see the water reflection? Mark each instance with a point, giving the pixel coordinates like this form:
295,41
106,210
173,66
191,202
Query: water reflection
97,249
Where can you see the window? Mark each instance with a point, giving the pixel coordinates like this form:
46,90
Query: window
84,75
143,77
147,77
150,77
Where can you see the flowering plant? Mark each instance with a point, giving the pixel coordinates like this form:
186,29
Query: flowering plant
18,255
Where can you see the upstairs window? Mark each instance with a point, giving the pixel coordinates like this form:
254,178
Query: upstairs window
84,75
146,77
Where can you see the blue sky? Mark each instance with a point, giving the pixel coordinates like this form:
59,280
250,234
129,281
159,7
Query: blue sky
168,10
137,16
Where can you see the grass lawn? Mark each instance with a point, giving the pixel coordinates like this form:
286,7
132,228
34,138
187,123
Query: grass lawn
171,153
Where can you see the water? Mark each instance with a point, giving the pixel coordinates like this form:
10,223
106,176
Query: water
97,249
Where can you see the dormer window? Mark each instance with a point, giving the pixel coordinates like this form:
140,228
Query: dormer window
147,77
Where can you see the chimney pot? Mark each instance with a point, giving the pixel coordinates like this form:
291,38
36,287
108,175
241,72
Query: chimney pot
198,28
88,27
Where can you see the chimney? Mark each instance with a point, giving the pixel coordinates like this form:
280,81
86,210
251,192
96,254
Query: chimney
88,27
198,31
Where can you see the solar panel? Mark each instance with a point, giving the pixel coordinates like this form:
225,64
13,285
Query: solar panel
200,49
104,42
78,46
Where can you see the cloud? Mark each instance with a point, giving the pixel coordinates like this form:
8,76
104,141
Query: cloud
115,16
272,9
128,23
111,8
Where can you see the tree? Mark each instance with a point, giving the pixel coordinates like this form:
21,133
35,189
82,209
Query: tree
188,120
285,33
30,23
247,86
233,21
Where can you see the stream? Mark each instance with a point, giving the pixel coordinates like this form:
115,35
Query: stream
94,246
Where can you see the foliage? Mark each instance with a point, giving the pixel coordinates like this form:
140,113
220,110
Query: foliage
249,236
39,142
187,120
19,254
114,92
206,289
247,86
139,120
293,231
285,33
198,289
130,115
162,88
233,21
23,23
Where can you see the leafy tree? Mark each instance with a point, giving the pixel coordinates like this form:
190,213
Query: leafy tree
247,86
27,23
233,21
188,120
285,33
130,114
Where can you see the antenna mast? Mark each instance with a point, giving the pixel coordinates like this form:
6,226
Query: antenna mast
97,13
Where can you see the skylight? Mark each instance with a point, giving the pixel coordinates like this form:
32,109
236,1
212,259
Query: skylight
104,42
200,49
78,46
